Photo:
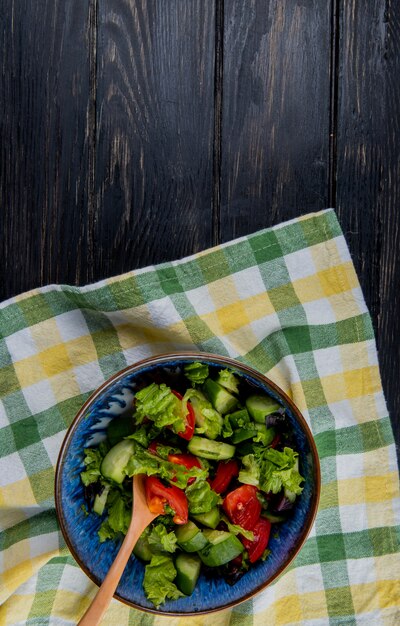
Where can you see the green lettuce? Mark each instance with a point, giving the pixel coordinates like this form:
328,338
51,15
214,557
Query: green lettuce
119,517
201,498
235,529
144,462
227,379
280,470
161,540
196,372
106,532
141,436
163,451
93,459
227,430
157,582
271,470
250,471
161,406
208,421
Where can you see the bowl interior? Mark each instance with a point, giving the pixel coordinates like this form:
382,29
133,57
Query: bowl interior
80,529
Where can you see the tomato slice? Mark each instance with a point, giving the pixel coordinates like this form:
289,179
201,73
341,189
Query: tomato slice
189,418
158,495
188,460
242,506
256,547
224,474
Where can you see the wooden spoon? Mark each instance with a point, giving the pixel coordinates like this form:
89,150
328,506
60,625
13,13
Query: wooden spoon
141,518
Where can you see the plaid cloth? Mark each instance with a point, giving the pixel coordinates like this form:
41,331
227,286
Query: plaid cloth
284,300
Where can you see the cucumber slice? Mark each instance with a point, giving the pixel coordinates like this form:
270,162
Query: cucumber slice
211,519
207,449
114,463
118,428
190,538
142,548
220,398
242,434
222,547
239,419
100,501
260,406
187,572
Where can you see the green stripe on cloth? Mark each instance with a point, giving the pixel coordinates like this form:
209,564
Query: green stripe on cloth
286,301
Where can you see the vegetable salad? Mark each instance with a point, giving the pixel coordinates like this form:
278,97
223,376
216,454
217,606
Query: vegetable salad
221,468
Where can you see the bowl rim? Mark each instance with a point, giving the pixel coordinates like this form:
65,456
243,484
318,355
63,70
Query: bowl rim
219,360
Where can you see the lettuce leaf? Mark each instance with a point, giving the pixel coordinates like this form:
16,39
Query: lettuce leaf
227,430
250,471
163,451
235,529
272,470
227,379
119,516
106,532
157,582
161,540
208,421
280,470
92,460
144,462
141,436
161,406
201,498
196,372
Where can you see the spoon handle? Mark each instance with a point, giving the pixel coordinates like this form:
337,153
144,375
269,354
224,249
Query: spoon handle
104,595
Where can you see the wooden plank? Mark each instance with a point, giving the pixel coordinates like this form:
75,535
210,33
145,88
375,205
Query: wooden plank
368,169
276,111
155,131
44,99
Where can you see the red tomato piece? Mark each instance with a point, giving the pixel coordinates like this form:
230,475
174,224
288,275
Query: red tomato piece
224,474
189,419
255,548
188,460
158,495
242,506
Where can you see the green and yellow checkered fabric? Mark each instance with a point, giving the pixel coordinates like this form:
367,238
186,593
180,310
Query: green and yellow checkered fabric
284,300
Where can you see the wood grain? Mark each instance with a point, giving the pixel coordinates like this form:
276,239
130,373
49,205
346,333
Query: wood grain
276,112
137,131
155,124
368,169
44,99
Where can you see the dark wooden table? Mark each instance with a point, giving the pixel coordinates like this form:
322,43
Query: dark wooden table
139,131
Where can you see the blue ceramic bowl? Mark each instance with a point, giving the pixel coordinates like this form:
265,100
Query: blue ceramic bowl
113,399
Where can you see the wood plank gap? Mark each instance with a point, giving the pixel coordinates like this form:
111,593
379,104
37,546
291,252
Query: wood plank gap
92,138
334,100
218,100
